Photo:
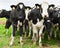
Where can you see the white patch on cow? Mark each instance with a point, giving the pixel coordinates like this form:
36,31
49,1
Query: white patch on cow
48,20
30,27
40,33
19,23
13,8
21,6
51,8
57,8
38,20
12,40
38,24
37,7
21,41
26,12
45,7
59,11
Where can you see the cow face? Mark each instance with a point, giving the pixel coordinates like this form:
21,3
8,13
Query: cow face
27,10
3,13
13,7
21,6
37,6
51,8
44,8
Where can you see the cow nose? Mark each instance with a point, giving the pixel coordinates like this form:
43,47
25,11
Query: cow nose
45,16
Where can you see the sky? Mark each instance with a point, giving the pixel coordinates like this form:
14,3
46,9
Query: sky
5,4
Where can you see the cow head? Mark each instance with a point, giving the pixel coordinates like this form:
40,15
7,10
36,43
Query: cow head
20,5
13,7
51,8
27,10
2,13
37,6
44,6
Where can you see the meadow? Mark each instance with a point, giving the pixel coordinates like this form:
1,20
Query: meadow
5,39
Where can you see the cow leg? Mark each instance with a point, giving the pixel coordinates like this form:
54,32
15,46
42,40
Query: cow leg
13,34
21,32
40,33
26,28
34,35
55,34
30,30
8,24
43,33
49,33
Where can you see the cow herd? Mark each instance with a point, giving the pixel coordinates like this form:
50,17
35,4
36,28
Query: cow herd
32,20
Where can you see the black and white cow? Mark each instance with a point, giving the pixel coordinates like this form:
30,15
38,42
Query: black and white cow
53,14
6,14
26,22
37,23
17,17
47,27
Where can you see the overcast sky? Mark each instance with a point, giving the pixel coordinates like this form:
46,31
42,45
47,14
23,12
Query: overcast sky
5,4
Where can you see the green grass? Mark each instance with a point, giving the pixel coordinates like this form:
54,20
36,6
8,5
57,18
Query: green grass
5,40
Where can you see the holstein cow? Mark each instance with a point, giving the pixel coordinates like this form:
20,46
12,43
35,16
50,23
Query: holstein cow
47,27
17,17
37,23
48,21
53,14
26,23
6,14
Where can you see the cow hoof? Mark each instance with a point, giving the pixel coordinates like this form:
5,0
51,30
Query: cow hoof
21,43
11,44
49,38
40,45
34,43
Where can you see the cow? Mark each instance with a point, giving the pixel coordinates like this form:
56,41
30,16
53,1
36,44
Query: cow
26,23
6,14
53,14
37,20
47,27
48,21
17,17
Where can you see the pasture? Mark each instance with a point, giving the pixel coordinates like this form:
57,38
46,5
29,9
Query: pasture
5,39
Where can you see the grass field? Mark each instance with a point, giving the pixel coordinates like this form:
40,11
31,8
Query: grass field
5,40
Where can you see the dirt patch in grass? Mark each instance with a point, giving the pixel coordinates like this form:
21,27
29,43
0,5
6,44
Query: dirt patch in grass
2,22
